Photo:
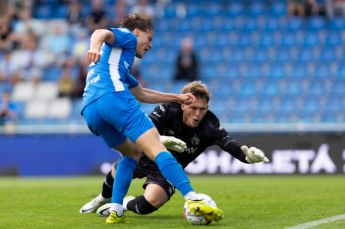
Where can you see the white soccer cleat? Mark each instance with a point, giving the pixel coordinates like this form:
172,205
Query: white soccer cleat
94,204
104,209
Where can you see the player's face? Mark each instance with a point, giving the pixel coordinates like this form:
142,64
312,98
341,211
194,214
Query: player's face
195,112
144,43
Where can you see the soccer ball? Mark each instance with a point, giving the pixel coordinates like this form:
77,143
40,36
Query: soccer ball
198,219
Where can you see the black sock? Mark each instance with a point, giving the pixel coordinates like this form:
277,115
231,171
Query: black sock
140,206
107,189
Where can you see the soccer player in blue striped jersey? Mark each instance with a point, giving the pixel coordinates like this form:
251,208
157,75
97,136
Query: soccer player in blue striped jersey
111,110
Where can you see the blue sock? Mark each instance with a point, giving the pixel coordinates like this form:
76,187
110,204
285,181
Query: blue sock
173,172
123,179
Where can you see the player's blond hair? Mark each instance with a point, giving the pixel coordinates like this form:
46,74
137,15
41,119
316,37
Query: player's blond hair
198,89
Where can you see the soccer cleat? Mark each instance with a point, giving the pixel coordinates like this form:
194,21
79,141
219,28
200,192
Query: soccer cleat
94,204
114,218
104,209
200,207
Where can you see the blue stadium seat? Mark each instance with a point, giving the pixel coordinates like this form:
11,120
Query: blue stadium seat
193,10
305,54
292,89
276,72
328,55
265,40
43,11
270,24
256,8
234,9
283,55
248,90
322,71
288,40
298,72
311,39
294,24
336,23
211,10
333,39
316,23
340,74
277,9
249,25
270,90
338,87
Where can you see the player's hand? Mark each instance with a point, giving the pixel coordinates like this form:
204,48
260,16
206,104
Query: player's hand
172,143
254,155
93,55
187,98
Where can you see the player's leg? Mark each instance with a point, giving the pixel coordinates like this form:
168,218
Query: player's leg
153,198
157,192
103,119
167,164
174,173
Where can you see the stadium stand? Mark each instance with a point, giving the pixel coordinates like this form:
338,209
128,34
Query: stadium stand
261,64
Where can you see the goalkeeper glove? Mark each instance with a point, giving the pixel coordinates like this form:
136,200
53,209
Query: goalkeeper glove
254,155
172,143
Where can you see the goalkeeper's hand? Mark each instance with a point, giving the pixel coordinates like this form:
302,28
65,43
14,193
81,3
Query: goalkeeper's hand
172,143
254,155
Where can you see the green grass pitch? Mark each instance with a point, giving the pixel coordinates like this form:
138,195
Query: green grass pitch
247,201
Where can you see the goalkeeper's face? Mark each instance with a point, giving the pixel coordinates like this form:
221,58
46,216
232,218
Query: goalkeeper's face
195,112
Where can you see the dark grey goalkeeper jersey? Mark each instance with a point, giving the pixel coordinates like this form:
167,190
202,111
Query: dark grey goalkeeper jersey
168,120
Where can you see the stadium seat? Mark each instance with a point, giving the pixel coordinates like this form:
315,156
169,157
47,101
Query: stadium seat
256,8
277,9
36,109
23,91
46,91
234,9
316,23
59,108
337,23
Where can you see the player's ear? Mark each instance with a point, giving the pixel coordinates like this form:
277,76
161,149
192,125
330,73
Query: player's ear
183,106
136,32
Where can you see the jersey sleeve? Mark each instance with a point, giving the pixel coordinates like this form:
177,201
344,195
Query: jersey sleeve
160,117
124,38
225,141
131,81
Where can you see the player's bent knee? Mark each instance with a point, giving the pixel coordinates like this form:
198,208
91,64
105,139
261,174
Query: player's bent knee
141,206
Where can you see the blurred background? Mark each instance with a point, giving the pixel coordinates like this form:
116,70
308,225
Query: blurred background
275,69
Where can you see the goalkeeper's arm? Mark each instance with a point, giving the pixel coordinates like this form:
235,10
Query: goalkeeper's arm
241,152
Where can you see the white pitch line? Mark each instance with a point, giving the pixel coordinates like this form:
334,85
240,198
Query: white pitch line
318,222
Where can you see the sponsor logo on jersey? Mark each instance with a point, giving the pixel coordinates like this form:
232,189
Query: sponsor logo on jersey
195,140
170,132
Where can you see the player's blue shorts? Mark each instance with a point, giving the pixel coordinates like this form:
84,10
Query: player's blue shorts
115,117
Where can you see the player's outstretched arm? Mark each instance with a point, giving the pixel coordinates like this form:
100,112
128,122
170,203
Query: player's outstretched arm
145,95
253,154
98,37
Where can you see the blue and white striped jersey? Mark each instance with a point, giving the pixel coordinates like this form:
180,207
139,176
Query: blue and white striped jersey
112,72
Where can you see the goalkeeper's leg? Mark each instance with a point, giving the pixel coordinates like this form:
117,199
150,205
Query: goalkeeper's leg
174,173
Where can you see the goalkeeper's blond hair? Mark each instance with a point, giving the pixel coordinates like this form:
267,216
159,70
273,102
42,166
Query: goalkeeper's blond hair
198,89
